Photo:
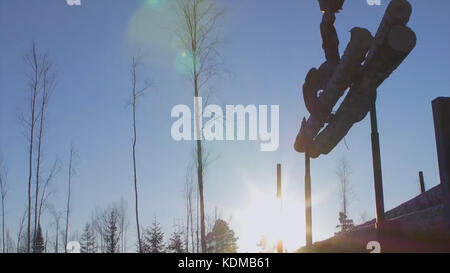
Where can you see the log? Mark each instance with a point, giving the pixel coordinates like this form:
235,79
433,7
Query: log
349,67
388,56
320,108
391,45
397,13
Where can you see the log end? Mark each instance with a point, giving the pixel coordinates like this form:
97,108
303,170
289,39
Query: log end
362,37
398,12
402,39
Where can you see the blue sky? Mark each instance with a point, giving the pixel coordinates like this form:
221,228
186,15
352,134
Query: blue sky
269,47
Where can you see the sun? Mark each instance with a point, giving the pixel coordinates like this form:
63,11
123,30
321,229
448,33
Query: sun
267,217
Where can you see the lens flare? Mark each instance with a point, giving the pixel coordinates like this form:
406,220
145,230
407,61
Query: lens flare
152,3
184,63
152,27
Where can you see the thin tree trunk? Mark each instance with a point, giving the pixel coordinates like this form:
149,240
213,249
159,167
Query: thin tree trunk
200,188
191,220
344,197
20,230
187,215
199,162
3,197
38,169
31,140
197,220
68,199
3,223
46,239
134,156
56,239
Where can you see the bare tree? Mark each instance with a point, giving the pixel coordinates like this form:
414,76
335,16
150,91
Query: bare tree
57,219
48,81
20,234
98,228
136,93
45,190
3,192
199,36
9,243
123,224
35,63
108,224
346,194
72,157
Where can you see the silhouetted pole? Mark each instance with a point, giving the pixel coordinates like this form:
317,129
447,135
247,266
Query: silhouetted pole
280,242
376,157
422,183
308,201
441,115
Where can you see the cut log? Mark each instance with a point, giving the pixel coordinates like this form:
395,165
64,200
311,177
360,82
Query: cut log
392,44
400,42
348,68
397,13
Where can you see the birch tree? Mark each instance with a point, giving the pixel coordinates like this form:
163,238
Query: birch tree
135,95
72,157
35,63
199,36
48,81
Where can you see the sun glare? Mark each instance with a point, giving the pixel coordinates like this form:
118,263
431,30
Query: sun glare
265,218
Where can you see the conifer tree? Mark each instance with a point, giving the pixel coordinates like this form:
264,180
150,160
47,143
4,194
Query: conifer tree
345,224
176,244
153,239
111,234
88,240
221,239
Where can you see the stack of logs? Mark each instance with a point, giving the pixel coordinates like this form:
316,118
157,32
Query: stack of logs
365,64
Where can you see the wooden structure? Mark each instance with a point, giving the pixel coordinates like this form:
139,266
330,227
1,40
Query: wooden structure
366,63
